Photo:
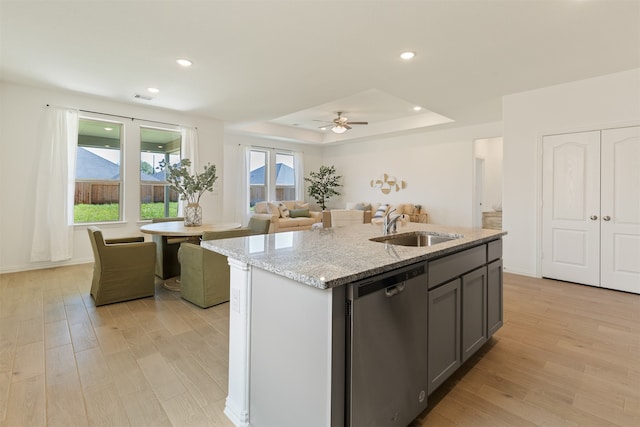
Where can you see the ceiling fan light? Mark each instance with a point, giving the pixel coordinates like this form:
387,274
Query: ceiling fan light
338,129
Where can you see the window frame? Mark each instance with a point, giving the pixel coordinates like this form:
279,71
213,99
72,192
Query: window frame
167,157
120,181
271,155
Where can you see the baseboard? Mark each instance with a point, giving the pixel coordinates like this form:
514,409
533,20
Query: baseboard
43,265
520,272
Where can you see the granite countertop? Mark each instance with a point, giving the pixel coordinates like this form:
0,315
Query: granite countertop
330,257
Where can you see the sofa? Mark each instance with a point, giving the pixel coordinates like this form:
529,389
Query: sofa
287,215
375,212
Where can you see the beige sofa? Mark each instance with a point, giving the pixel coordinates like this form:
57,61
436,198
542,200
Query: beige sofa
408,210
288,215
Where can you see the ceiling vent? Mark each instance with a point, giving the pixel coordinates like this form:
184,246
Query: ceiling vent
144,97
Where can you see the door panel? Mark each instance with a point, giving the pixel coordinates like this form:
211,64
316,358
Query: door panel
571,207
620,238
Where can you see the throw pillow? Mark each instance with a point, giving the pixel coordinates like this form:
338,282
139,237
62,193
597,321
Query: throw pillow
381,211
301,206
299,213
273,208
284,210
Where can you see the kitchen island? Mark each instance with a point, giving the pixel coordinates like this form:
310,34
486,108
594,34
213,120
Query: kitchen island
293,325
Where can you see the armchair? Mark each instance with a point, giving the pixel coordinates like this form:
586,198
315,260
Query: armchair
204,280
123,269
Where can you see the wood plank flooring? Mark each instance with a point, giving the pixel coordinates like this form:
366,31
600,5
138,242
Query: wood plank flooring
567,355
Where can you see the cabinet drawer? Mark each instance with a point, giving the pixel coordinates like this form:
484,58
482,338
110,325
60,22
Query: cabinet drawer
494,250
446,268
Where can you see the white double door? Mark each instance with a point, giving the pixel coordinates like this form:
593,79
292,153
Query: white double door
591,208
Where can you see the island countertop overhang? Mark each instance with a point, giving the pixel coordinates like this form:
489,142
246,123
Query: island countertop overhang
329,257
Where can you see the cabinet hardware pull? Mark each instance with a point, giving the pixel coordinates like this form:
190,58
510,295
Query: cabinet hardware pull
594,217
394,290
606,218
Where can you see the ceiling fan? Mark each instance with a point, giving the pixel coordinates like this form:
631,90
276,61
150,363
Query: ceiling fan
342,124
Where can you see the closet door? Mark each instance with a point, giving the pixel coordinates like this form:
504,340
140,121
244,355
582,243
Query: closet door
571,207
620,226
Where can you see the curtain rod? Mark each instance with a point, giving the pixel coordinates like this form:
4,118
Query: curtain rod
127,117
269,148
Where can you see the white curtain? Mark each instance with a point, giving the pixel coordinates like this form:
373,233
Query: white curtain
298,158
189,150
242,208
55,187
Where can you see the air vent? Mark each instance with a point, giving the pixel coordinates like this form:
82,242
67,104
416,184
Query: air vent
145,97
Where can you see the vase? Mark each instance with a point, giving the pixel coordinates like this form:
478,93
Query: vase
192,215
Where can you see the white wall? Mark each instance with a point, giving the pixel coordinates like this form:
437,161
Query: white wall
605,101
21,111
436,165
490,149
232,160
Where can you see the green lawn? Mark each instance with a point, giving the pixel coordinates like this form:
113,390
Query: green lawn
111,212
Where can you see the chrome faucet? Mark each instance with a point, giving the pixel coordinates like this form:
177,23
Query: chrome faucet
390,224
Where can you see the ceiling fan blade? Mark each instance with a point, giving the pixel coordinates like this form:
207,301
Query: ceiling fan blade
321,121
358,123
346,126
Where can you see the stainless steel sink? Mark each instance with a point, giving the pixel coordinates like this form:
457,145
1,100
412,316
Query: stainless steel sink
416,238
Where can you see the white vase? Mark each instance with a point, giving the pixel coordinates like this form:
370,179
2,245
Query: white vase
192,215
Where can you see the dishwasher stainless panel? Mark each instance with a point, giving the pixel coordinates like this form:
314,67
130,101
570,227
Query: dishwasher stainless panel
387,374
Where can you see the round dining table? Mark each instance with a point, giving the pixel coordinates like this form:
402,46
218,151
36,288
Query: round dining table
177,228
171,232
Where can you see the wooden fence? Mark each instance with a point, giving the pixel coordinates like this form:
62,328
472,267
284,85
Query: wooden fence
98,193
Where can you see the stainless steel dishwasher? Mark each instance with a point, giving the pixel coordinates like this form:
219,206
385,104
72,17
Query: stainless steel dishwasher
387,348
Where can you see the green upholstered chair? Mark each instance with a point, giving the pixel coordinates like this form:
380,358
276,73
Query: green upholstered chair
123,268
167,250
204,278
259,226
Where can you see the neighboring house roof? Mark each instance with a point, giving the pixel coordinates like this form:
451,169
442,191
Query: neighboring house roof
284,175
92,166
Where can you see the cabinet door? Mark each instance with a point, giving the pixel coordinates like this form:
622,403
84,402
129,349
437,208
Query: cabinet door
494,296
444,333
474,311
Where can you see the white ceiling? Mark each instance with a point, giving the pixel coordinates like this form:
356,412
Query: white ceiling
262,66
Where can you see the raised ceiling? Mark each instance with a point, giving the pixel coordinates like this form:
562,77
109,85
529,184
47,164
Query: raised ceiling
263,66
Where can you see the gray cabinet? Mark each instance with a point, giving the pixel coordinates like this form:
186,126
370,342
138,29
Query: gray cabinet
494,296
444,333
474,311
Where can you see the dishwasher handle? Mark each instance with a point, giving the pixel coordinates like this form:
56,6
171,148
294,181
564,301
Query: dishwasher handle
394,290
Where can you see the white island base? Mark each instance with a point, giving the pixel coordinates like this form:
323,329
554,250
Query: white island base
286,351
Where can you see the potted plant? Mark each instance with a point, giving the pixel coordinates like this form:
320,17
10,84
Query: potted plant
323,184
190,187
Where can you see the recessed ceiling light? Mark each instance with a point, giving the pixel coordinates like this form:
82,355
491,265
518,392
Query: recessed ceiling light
108,129
153,89
184,62
160,146
407,55
417,108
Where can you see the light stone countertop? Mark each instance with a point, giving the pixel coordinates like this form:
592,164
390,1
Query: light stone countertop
330,257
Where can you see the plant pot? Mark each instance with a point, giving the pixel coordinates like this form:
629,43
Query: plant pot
192,215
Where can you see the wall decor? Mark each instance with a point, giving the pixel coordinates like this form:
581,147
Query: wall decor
387,183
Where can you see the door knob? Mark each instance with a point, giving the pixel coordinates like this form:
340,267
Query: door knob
594,217
606,218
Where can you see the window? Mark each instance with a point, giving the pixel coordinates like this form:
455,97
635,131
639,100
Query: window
272,176
98,172
285,177
258,174
157,199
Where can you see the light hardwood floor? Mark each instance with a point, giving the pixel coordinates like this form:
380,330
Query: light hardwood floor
567,355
